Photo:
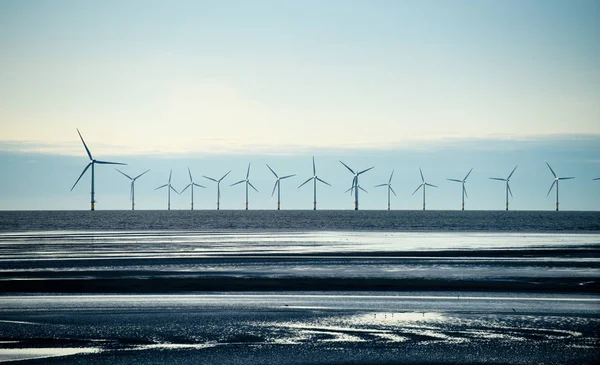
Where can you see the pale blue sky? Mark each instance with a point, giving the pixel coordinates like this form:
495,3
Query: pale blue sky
191,82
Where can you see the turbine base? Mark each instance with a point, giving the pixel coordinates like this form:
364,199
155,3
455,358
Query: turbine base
463,207
506,206
557,207
217,206
355,205
278,206
314,205
246,206
92,206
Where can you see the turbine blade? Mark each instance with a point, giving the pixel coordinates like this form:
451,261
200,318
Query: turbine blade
189,172
465,190
551,169
551,186
248,172
323,181
285,177
127,176
170,172
84,170
421,172
184,189
512,172
274,186
175,190
140,175
200,186
349,190
565,178
497,178
273,171
239,182
376,186
209,178
224,176
392,190
420,186
598,178
162,186
249,183
433,186
109,163
305,182
84,145
510,191
390,180
363,171
314,168
347,167
360,187
454,180
469,173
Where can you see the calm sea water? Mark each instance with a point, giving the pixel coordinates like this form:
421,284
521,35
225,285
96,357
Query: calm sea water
392,221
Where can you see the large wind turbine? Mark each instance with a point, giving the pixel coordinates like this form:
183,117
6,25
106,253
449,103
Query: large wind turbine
464,190
169,188
218,186
247,181
355,183
556,180
314,178
132,191
423,185
192,184
389,188
278,185
507,184
92,163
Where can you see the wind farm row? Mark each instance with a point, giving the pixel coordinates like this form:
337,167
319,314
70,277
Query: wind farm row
354,189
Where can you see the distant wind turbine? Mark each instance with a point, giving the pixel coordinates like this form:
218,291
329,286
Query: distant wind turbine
218,186
247,181
556,180
92,163
423,185
507,180
132,191
278,185
169,188
355,185
314,178
598,178
464,190
192,184
389,188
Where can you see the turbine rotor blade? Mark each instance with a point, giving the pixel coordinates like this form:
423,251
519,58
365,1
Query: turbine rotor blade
421,172
224,176
249,183
454,180
360,187
170,172
209,178
274,187
390,180
248,172
109,163
239,182
352,171
305,182
376,186
510,191
285,177
198,185
323,181
127,176
551,186
565,178
140,175
188,185
84,170
175,190
314,168
512,172
420,186
189,172
162,186
84,145
349,190
497,178
465,190
273,171
553,173
469,173
363,171
598,178
433,186
392,190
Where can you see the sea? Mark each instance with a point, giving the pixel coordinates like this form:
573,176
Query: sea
299,287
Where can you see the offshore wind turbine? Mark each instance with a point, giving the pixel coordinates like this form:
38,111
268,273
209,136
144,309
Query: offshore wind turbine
464,190
278,185
355,185
423,185
247,181
218,186
192,184
92,163
314,178
389,188
507,180
169,188
132,191
556,180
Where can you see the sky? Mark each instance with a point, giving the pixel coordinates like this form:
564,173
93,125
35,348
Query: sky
215,85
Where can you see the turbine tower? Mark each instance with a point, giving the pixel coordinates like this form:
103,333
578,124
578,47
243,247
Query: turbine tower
192,184
556,180
507,180
132,191
423,185
355,185
92,163
314,178
464,190
389,188
218,186
169,188
247,181
278,186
